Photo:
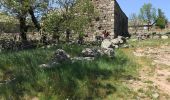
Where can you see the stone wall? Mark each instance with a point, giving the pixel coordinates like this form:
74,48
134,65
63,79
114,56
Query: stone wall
120,21
110,18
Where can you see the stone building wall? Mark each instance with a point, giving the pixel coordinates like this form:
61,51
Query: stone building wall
110,18
120,21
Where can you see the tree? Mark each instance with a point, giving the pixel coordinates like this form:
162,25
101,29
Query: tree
53,25
161,19
161,23
135,21
21,8
72,16
148,14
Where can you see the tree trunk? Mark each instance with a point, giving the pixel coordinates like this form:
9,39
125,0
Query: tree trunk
67,35
34,19
58,39
81,39
148,27
23,28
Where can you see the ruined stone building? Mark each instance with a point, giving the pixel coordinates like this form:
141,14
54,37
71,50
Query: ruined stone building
110,18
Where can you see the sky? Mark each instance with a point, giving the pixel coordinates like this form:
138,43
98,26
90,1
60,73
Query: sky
133,6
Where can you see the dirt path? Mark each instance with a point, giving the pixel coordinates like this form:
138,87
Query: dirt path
154,77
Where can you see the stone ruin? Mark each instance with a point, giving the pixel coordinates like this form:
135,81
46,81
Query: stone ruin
111,19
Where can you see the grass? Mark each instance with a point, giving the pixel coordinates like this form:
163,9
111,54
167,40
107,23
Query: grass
83,80
150,42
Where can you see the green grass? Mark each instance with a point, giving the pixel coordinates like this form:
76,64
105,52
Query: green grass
150,42
83,80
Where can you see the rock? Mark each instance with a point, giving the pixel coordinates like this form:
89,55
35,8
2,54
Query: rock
115,41
125,46
100,52
115,46
118,41
156,37
49,46
155,95
60,56
120,37
82,59
121,41
93,52
88,52
109,52
44,66
164,37
106,43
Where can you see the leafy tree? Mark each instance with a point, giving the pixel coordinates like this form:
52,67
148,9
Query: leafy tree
161,20
72,16
148,14
21,8
53,24
161,23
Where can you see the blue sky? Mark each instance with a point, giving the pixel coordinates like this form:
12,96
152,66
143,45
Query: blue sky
133,6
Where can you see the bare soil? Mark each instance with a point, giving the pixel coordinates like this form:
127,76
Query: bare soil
154,77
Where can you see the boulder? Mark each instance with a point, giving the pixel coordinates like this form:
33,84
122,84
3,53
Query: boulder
121,39
106,43
109,52
156,37
88,52
44,66
125,46
115,41
118,41
115,46
82,59
93,52
164,37
60,56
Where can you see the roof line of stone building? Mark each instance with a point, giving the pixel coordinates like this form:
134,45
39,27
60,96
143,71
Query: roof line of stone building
120,8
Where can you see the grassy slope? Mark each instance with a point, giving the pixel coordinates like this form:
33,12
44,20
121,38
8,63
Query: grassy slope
99,79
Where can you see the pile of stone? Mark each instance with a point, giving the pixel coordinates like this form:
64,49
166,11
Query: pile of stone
59,57
88,54
113,43
97,52
144,36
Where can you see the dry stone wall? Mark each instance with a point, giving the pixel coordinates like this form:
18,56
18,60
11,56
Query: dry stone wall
110,18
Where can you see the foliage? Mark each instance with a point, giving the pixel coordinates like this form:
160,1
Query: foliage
148,14
17,7
8,24
161,19
21,8
161,23
75,17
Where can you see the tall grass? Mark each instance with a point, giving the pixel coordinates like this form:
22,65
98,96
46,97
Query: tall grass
82,80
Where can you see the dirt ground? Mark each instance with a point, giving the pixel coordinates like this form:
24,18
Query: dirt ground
153,82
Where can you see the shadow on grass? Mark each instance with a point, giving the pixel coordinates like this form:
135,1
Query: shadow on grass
81,80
